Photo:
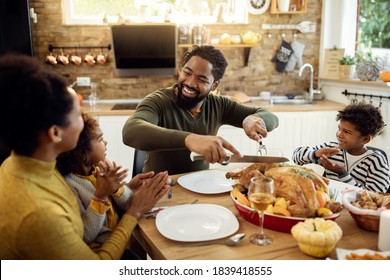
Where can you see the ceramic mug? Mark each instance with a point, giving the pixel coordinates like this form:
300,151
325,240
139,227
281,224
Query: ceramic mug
283,5
51,59
64,59
101,58
89,59
75,59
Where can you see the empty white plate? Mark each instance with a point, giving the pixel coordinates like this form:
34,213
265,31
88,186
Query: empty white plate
206,182
196,222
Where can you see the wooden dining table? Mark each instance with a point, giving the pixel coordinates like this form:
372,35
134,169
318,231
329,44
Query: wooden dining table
283,247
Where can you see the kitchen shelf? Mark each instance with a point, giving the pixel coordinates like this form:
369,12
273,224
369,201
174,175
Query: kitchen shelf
51,47
246,47
301,6
357,83
221,46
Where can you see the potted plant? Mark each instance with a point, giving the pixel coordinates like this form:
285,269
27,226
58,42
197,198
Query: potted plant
346,67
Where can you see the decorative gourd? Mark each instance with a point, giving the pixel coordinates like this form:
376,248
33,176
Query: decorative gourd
385,76
317,237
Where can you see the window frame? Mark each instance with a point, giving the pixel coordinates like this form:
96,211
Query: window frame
337,30
70,19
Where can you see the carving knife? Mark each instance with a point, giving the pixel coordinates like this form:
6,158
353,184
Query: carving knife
245,158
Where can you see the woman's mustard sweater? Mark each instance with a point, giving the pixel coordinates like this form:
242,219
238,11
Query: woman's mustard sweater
40,218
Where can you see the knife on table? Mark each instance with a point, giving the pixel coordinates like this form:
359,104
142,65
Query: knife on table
245,158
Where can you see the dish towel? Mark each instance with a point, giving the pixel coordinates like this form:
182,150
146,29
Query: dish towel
282,56
296,59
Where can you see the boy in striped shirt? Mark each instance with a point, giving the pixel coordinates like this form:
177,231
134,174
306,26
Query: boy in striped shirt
348,159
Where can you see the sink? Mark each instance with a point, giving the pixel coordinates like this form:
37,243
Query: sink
291,102
284,100
125,106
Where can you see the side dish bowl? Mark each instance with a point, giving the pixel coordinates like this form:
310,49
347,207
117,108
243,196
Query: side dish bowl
365,218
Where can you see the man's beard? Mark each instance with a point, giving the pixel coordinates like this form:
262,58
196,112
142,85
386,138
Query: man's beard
185,102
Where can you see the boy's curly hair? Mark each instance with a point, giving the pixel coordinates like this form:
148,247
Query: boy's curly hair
71,161
367,118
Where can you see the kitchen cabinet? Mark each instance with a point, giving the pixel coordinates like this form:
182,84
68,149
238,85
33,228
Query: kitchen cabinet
112,133
295,129
15,27
247,49
300,5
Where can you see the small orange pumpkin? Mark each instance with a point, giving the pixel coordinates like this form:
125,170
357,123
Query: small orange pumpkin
385,76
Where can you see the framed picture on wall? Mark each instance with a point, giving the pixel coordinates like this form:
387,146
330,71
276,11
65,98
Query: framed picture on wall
331,63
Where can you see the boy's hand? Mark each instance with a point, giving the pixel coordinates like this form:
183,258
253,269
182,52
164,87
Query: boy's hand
328,152
327,164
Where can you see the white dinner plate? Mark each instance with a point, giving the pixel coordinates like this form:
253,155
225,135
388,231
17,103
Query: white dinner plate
343,253
196,222
340,187
206,182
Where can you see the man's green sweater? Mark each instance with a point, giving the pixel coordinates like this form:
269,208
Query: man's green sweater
159,126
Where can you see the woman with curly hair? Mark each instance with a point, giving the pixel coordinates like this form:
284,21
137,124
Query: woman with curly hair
348,160
97,196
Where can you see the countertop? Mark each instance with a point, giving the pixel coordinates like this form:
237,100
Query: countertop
103,107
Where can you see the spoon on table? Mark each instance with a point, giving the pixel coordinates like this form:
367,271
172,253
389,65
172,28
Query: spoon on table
231,241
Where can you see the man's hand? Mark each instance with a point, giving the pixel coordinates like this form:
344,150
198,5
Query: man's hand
212,148
254,128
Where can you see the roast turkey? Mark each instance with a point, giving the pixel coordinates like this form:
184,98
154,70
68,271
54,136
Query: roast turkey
296,184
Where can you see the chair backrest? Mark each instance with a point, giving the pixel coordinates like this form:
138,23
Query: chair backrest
378,150
383,153
138,164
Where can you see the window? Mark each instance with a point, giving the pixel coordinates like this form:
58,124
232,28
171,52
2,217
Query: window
340,27
178,11
374,27
374,30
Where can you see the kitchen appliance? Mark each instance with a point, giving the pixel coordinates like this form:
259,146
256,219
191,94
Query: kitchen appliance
144,49
15,27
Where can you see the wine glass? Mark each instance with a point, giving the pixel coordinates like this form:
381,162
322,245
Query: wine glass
261,194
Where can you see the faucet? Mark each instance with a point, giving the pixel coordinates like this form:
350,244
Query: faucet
310,97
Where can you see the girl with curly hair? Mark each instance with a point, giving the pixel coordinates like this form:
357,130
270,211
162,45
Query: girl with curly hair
97,196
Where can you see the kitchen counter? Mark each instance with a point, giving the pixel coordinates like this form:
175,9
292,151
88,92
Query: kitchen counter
104,107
